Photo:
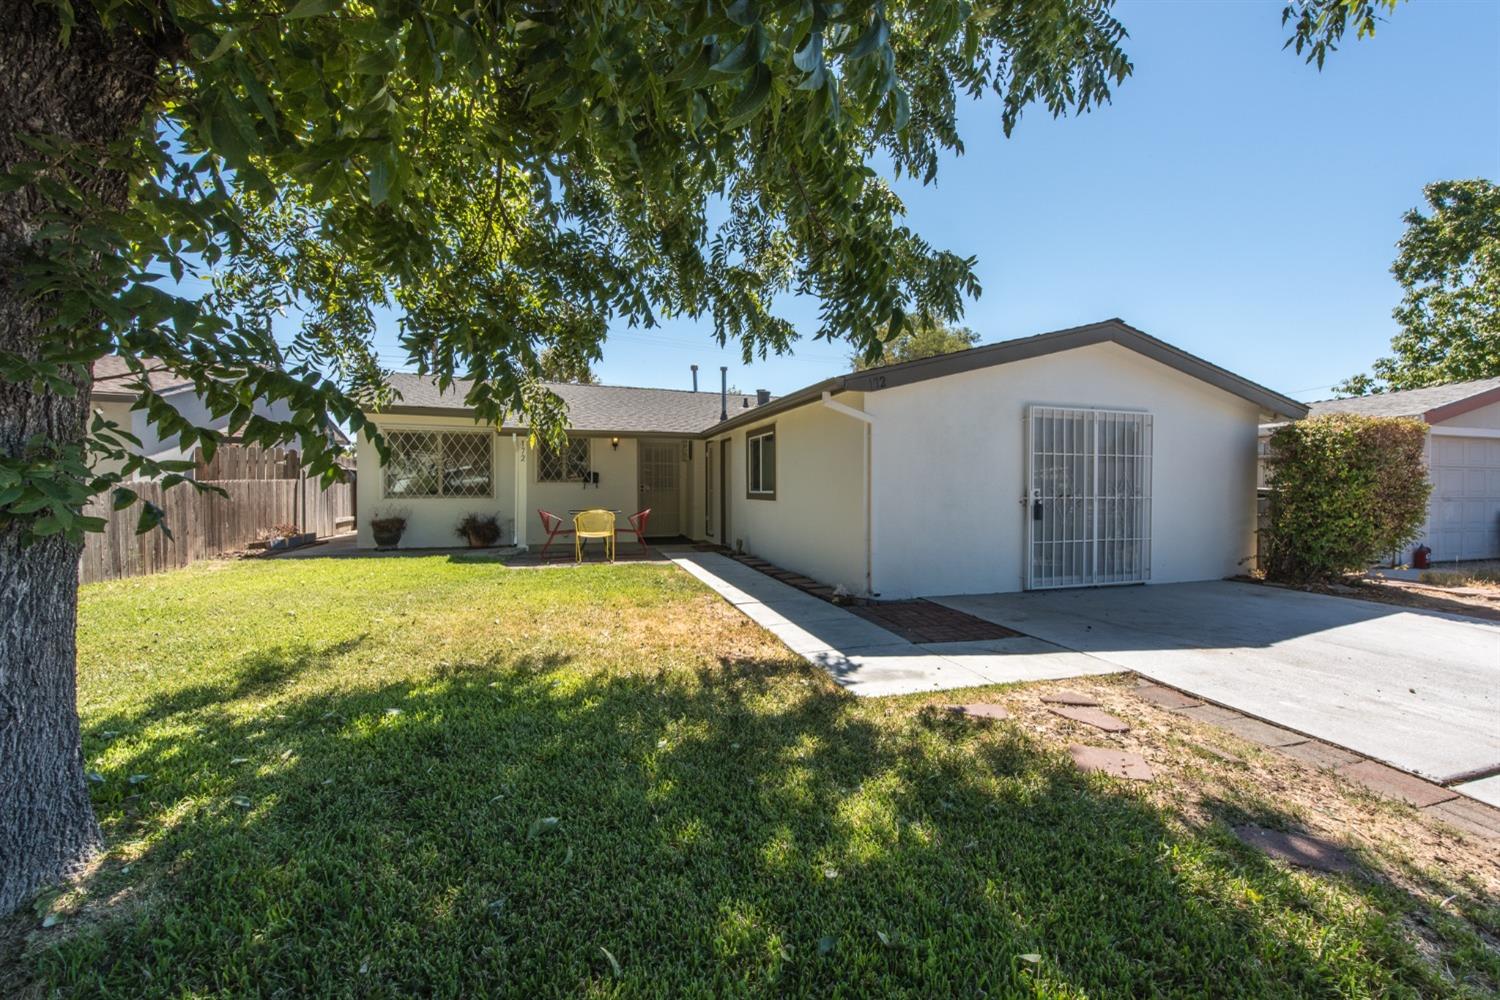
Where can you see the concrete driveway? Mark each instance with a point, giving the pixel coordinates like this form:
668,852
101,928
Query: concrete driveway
1419,690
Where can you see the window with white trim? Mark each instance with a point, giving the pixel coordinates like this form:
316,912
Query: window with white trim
439,464
570,465
760,464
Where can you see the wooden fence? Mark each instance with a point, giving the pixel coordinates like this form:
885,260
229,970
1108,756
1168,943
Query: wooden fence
247,461
205,525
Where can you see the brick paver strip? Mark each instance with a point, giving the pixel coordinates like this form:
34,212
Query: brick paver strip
1091,717
980,710
1166,697
1396,784
1469,816
1295,848
1117,763
924,621
1319,754
1068,698
1263,733
1208,713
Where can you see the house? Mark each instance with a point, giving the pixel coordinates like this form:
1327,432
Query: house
1092,455
115,393
1463,460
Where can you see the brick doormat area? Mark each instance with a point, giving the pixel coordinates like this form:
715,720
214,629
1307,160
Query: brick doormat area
915,621
923,621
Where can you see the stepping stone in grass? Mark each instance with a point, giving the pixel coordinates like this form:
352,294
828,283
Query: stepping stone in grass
1295,848
985,710
1116,763
1091,717
1068,698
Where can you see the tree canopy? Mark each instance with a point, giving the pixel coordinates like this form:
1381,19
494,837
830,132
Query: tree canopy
508,179
921,339
238,188
1448,265
557,366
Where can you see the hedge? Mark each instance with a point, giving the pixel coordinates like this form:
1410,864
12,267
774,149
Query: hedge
1345,491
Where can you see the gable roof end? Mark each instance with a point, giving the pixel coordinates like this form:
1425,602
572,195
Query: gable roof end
1433,403
1115,331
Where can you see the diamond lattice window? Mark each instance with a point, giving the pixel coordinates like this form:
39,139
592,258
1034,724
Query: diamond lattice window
570,465
431,464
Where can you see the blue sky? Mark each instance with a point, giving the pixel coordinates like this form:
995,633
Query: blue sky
1232,200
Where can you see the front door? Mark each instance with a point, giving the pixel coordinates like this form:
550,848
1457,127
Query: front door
1088,502
657,476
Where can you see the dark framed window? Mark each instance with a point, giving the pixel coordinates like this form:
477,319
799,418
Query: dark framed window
570,465
760,464
439,464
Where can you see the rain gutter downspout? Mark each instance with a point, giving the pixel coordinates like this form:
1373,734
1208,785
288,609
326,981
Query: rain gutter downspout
867,485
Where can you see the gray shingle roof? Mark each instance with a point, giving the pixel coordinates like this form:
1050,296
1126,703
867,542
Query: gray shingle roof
113,378
1408,402
596,408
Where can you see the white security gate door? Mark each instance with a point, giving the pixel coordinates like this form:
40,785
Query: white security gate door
659,490
1088,505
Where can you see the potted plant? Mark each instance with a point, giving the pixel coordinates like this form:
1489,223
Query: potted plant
388,529
480,530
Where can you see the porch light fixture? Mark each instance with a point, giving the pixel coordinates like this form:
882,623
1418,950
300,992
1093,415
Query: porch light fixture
614,443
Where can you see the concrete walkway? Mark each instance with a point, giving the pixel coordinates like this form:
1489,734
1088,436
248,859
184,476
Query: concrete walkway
1416,689
869,660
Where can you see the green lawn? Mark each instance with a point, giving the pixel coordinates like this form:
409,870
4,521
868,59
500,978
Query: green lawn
421,776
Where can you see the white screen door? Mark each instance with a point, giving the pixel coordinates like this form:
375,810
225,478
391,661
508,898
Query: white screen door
658,482
1088,505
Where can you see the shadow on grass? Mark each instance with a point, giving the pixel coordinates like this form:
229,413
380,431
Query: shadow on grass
525,827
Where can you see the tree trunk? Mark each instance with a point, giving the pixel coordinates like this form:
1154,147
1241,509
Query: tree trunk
94,90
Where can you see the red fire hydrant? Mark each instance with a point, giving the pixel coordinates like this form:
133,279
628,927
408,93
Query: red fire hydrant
1419,557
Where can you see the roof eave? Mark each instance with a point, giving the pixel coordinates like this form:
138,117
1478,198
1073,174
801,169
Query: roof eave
780,404
1458,407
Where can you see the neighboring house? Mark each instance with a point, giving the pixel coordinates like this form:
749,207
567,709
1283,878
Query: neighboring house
1093,455
114,394
1463,459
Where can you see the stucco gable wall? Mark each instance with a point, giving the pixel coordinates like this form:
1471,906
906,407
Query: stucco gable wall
950,470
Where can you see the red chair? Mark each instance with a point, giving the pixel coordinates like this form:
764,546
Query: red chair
553,526
638,525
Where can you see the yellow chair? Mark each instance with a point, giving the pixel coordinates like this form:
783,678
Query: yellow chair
593,524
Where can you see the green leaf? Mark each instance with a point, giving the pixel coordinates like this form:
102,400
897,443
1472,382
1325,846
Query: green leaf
875,37
226,41
380,182
308,8
741,12
547,824
613,962
750,52
810,57
752,98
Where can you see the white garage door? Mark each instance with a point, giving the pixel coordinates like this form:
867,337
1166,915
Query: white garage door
1465,509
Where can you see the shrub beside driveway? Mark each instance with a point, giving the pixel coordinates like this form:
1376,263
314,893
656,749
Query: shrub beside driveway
418,776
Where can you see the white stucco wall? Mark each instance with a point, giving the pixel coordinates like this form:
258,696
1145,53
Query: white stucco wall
431,520
194,409
616,490
816,524
1483,417
949,470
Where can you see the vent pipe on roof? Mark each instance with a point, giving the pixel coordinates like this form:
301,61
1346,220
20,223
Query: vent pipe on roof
695,378
762,397
723,392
